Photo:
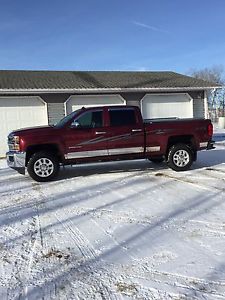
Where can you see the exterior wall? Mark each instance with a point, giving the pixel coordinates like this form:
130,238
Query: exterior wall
56,109
133,98
198,108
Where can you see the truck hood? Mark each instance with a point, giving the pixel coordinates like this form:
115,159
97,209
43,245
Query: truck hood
34,130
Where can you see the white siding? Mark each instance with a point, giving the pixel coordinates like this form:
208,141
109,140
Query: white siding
198,108
134,103
56,112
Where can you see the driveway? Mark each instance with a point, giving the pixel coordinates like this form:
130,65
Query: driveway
124,230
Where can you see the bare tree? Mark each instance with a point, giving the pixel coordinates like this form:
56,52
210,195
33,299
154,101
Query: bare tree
214,74
216,97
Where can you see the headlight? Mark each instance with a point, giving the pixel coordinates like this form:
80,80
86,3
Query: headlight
14,142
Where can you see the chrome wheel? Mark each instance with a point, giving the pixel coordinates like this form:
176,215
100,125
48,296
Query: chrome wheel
181,158
43,167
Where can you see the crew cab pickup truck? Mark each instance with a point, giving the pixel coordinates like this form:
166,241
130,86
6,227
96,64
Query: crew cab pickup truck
106,134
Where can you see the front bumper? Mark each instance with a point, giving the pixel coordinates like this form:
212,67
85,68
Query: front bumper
16,161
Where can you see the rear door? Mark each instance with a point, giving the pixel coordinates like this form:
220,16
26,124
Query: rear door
126,132
85,137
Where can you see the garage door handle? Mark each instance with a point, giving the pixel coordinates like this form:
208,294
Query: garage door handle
136,130
100,132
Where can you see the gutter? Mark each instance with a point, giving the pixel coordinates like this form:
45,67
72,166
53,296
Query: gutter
103,90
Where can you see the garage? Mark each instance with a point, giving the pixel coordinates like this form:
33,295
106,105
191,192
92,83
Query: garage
77,102
167,106
20,112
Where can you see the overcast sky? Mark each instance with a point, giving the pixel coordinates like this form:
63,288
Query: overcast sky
174,35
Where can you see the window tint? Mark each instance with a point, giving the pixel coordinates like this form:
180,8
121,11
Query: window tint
90,119
122,117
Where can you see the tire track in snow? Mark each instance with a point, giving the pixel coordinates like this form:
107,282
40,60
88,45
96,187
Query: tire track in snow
156,279
21,270
190,182
89,254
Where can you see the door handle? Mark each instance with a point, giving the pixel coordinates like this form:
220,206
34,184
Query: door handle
136,130
99,132
159,131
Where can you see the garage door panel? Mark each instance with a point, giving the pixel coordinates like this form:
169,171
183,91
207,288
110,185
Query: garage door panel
77,102
20,112
167,106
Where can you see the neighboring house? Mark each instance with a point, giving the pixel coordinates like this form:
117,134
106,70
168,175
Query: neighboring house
29,98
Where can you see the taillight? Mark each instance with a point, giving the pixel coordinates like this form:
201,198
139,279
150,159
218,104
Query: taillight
210,129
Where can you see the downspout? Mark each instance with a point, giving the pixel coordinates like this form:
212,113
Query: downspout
206,107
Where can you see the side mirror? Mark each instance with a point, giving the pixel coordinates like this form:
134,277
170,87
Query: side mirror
75,124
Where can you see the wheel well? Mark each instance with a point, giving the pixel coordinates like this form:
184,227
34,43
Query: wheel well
52,148
183,139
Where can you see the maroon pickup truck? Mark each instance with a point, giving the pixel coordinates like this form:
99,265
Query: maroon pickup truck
106,134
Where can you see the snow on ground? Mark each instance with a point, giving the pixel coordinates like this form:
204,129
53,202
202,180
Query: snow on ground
124,230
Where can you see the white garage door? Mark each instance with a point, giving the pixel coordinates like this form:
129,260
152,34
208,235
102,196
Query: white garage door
167,106
20,112
77,102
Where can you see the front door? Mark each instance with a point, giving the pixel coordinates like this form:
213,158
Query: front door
85,138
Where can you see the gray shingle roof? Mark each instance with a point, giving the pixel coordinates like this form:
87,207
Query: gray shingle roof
87,80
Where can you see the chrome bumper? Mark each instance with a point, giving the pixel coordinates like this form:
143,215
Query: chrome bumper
16,161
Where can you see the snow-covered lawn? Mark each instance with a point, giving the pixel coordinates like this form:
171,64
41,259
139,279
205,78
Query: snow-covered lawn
124,230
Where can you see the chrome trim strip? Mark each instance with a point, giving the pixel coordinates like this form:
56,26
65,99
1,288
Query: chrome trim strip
137,130
100,132
126,150
95,153
153,149
84,154
203,145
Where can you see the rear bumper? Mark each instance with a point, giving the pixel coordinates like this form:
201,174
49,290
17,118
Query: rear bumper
16,161
211,145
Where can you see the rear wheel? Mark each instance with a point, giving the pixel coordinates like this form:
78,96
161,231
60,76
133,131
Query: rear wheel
180,157
43,166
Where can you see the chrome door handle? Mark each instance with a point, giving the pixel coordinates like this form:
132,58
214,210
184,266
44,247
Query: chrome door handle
100,132
159,131
136,130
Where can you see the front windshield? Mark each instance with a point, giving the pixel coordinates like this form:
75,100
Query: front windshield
67,118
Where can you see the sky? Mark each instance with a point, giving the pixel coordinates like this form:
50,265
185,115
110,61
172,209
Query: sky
135,35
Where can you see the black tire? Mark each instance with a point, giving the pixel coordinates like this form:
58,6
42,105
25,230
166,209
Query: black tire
43,166
157,159
180,157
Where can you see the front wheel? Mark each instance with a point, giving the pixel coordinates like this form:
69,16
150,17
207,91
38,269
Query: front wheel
43,166
180,157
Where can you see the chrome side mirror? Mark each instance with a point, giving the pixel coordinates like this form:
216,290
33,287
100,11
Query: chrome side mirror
75,124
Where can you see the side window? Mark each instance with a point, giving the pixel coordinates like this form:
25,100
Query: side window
90,119
122,117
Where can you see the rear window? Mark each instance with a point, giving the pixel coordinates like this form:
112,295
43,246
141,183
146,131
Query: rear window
122,117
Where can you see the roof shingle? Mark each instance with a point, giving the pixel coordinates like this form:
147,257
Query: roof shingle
84,80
